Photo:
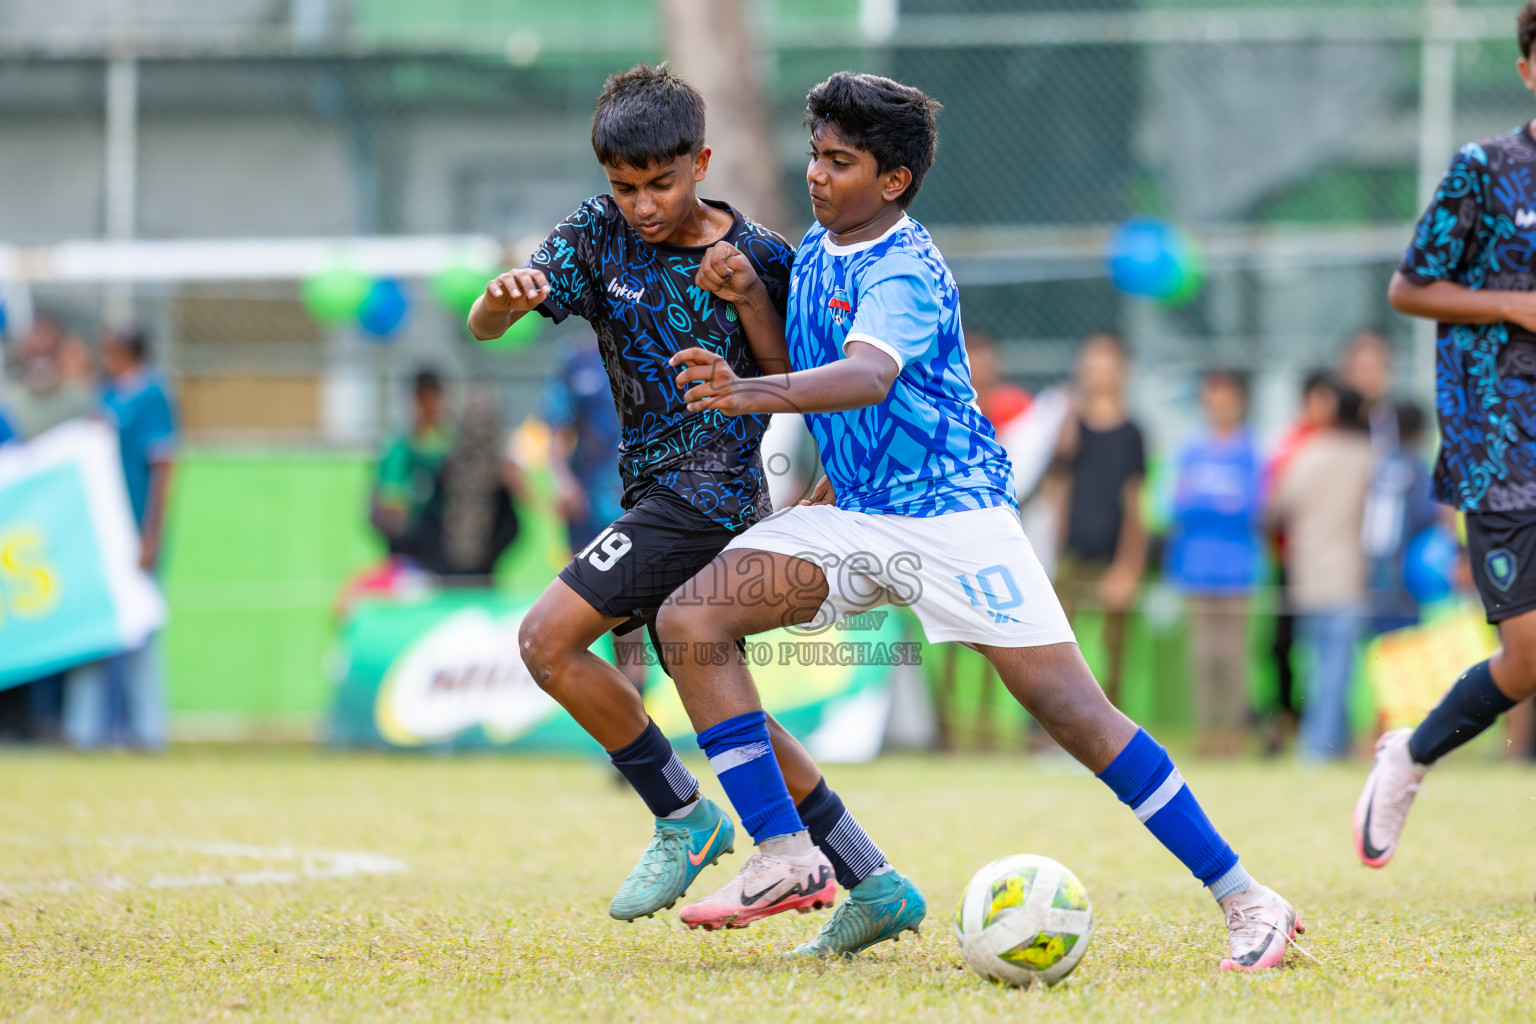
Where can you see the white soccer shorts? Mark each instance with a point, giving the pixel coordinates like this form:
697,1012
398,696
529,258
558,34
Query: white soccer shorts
972,577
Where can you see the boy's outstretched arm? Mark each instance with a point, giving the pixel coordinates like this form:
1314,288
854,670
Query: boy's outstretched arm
729,275
1452,303
507,297
861,379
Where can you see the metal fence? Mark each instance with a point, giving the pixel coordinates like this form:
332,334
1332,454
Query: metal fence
1296,141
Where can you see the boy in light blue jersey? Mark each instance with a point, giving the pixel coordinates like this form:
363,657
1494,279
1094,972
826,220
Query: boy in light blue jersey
924,515
921,452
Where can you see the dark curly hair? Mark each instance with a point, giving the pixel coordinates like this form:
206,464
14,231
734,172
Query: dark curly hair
895,123
647,115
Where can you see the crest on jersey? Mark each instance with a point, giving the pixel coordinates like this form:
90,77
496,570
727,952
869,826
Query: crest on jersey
840,306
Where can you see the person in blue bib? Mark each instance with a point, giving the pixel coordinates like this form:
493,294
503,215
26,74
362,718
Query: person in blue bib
917,508
137,402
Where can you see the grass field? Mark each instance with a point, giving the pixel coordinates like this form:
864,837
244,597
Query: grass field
485,894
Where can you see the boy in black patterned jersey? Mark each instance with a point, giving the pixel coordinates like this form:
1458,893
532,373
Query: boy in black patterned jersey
655,270
1471,267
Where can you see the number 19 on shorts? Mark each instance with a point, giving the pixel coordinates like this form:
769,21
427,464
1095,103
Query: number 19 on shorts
606,549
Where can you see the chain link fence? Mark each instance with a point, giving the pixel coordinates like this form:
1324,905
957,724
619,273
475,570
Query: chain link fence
1294,140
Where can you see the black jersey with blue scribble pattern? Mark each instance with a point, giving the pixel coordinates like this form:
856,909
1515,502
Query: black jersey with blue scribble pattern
1480,231
641,301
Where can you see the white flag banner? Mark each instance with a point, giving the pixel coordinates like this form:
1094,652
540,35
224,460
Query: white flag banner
71,589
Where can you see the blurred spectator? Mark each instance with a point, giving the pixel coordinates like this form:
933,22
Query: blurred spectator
45,391
1319,407
466,517
1213,558
137,402
1105,546
128,691
999,400
583,439
584,436
1366,369
1398,507
7,432
471,518
407,474
48,387
1319,499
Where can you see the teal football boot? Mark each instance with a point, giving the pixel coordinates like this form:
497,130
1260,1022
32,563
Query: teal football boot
880,907
679,850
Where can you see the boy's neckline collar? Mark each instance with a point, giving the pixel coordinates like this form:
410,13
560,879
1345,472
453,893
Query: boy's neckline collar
692,250
848,250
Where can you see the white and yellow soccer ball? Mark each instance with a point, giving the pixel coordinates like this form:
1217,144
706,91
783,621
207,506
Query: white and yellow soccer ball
1024,918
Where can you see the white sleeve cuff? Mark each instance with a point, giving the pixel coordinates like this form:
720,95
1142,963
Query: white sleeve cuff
870,339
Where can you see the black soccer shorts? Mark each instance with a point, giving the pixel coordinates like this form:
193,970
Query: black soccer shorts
629,569
1501,547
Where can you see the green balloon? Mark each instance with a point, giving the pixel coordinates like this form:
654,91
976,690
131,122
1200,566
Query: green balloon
457,287
519,335
1191,272
335,296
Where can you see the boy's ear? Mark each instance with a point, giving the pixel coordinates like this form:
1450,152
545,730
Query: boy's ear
701,164
896,183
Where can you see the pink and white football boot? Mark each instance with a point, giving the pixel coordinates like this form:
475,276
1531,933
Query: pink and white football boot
768,884
1382,809
1260,924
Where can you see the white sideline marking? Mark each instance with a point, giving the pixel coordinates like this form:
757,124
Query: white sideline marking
313,865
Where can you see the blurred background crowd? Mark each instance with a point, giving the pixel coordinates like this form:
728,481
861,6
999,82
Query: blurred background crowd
251,229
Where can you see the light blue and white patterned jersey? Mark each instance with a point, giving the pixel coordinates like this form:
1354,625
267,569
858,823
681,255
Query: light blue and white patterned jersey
927,449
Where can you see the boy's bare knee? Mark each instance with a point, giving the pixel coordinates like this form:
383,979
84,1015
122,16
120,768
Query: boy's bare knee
539,648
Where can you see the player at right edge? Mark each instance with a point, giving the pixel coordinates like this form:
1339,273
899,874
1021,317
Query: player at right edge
1472,269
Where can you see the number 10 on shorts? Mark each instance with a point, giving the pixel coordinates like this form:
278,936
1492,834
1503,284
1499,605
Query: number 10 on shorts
994,583
606,549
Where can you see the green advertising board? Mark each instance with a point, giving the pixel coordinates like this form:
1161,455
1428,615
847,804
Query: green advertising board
443,672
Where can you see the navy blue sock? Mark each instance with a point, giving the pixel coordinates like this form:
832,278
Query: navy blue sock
853,854
1144,778
651,766
1470,706
742,756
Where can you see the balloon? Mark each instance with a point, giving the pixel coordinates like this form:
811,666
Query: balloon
1429,565
1192,277
384,309
519,335
457,287
336,296
1153,259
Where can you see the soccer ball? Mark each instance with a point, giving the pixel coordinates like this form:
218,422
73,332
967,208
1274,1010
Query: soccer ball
1022,918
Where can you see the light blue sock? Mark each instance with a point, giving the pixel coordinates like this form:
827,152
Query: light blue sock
1230,884
742,756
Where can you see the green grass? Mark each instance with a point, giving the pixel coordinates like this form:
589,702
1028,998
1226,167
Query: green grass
500,914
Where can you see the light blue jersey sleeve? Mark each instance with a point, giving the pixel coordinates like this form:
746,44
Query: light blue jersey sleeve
899,308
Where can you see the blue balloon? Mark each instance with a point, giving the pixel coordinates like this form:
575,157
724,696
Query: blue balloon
1146,257
1429,565
384,309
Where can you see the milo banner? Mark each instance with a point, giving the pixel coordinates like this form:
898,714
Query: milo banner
444,673
70,585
